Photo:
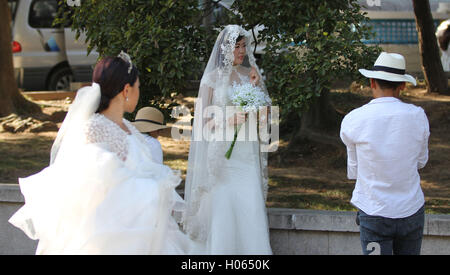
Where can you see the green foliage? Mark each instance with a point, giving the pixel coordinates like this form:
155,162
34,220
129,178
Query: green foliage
310,44
164,39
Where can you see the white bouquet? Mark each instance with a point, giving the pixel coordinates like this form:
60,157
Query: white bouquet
249,98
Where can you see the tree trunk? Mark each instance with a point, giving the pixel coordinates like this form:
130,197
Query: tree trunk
429,50
321,123
321,115
11,100
208,17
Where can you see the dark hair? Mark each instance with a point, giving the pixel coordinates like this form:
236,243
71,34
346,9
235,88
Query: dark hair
444,39
111,73
388,85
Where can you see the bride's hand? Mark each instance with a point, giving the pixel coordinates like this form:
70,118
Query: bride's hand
254,77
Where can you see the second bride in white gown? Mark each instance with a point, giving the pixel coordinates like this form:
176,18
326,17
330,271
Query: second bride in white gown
103,192
226,197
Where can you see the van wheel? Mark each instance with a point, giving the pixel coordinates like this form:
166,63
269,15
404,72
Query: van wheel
60,79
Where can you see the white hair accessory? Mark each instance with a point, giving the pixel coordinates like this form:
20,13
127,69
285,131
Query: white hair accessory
125,57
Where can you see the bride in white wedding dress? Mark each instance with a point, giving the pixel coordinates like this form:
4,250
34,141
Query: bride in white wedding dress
103,193
226,197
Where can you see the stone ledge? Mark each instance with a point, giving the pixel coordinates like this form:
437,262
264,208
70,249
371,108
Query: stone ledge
312,220
340,221
292,219
10,193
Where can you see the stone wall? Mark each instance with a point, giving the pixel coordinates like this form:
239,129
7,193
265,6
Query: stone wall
292,231
305,232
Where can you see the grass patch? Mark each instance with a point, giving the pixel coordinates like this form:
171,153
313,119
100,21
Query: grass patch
308,193
23,157
176,163
311,176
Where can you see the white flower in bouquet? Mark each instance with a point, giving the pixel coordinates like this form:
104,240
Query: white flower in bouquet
249,98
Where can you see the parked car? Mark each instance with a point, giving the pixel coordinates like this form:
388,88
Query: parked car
46,57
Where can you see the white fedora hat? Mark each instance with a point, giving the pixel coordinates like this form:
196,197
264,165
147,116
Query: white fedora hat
390,67
149,119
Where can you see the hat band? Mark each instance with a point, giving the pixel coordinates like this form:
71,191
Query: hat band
389,70
148,120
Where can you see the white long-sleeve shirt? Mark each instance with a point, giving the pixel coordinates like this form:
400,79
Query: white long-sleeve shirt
387,142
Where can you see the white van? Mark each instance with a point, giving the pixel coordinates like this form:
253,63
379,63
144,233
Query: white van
46,57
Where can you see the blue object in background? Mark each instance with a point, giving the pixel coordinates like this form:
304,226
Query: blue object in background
52,45
394,31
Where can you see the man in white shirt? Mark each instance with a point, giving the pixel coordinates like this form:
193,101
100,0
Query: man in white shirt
150,122
387,142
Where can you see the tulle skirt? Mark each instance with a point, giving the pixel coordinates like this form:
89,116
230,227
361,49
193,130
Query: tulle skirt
91,203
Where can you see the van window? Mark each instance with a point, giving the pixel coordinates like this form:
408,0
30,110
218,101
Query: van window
12,7
43,13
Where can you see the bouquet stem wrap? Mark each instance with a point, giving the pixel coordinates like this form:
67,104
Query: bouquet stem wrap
230,150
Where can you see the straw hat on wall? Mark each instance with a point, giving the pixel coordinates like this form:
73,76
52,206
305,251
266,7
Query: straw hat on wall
149,119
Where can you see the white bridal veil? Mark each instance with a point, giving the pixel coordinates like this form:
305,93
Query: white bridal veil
71,132
207,149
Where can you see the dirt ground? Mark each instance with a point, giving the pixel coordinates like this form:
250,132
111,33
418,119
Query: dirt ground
311,176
